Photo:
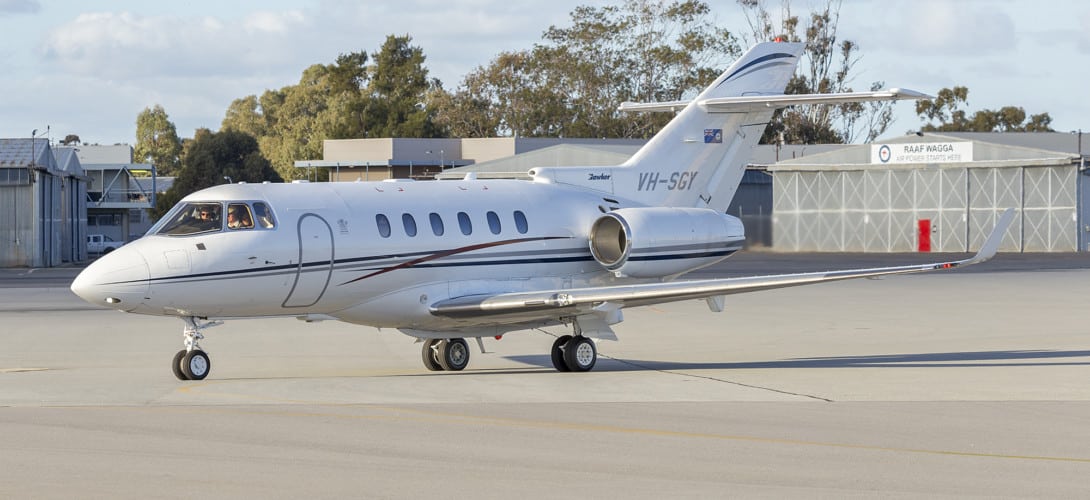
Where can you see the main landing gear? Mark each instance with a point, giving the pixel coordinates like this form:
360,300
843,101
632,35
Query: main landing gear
570,353
445,354
574,353
192,363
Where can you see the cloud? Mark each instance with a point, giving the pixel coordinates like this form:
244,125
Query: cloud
959,28
9,7
935,27
130,46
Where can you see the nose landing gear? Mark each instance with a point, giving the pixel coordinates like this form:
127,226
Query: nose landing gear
192,363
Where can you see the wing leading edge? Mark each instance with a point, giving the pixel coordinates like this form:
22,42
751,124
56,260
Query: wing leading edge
576,301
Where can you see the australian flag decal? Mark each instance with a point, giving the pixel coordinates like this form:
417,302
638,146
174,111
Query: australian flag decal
713,136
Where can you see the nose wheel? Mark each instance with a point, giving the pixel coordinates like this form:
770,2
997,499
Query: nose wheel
192,363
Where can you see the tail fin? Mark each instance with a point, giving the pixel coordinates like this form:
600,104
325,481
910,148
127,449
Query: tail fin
698,159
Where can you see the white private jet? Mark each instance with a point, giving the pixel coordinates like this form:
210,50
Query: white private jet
448,260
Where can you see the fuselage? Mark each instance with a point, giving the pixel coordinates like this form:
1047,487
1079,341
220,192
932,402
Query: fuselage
357,252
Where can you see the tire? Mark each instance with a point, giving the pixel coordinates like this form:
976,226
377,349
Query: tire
195,365
430,356
580,354
453,354
107,250
557,353
176,365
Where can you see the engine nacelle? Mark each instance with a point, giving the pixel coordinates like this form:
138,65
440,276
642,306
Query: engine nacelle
655,242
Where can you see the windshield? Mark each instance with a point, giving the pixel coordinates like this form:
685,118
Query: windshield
201,217
193,218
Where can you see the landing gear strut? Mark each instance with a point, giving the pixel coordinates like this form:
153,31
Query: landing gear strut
192,363
445,354
574,353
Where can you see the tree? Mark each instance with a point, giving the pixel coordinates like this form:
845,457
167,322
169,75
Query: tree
213,157
946,110
826,66
157,140
398,90
572,83
347,99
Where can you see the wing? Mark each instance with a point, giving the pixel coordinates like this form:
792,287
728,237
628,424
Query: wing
751,102
508,307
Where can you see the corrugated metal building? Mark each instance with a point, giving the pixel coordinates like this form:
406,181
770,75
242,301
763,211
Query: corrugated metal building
41,221
936,192
119,192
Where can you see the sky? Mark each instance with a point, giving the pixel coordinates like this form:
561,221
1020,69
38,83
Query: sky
89,67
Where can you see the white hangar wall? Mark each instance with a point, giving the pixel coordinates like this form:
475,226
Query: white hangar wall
851,201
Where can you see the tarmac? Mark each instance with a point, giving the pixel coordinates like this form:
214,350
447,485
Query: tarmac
965,383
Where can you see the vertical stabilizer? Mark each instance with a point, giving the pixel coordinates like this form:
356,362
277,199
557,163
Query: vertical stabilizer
698,159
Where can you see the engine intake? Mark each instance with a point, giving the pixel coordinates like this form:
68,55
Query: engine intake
656,242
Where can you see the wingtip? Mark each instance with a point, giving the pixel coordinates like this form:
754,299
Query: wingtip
903,93
991,245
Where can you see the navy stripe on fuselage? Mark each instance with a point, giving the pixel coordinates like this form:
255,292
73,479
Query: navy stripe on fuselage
291,269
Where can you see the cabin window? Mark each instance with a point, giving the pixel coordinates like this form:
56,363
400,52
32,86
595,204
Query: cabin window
263,216
239,216
383,225
493,222
465,223
520,222
436,223
194,218
409,222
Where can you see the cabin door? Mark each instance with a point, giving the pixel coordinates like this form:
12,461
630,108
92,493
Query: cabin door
315,262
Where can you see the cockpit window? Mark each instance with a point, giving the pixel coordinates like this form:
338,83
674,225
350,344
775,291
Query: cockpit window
193,218
263,216
239,217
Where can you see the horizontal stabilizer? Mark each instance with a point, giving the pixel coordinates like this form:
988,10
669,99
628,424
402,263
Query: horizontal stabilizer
753,102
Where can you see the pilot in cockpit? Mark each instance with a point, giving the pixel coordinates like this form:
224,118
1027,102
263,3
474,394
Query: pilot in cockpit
208,217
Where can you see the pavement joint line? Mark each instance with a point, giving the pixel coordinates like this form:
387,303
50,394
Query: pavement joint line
705,377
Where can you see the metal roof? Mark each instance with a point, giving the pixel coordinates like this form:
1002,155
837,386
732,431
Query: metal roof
27,153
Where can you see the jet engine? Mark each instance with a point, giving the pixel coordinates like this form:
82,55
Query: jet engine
656,242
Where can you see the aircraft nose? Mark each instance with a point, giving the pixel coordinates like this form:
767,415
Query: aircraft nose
118,280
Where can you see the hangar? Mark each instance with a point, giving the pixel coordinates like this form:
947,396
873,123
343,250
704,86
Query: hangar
932,192
43,207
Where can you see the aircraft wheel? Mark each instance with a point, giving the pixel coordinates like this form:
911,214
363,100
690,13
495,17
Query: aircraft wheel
176,365
558,353
453,354
580,354
430,355
195,365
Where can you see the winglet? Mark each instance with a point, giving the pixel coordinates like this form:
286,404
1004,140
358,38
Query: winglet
991,245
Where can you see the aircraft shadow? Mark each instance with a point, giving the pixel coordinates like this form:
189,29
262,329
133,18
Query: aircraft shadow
978,359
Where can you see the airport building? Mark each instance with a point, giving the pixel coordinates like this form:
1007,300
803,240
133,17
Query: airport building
43,192
934,192
404,158
119,192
